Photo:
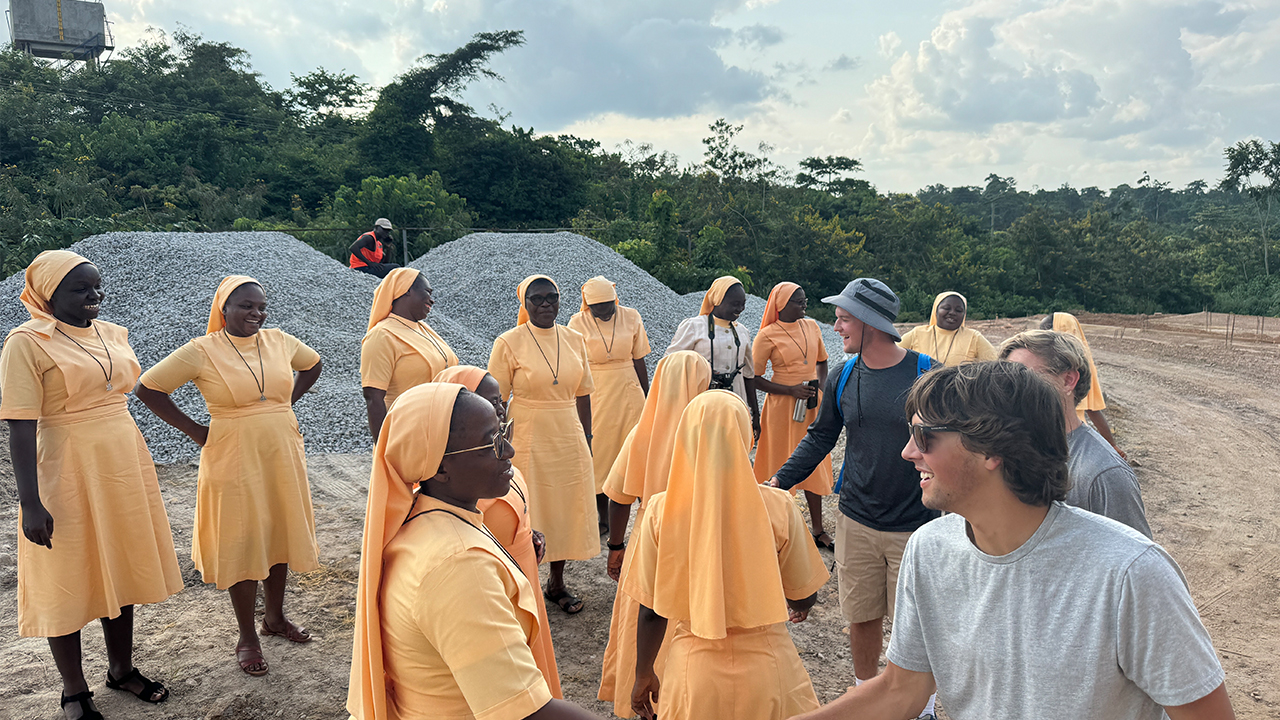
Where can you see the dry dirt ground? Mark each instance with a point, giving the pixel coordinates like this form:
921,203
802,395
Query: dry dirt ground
1198,420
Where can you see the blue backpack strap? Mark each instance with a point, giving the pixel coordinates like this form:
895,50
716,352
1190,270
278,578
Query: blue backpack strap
924,364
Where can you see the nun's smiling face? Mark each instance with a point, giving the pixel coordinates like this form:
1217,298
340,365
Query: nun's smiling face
951,313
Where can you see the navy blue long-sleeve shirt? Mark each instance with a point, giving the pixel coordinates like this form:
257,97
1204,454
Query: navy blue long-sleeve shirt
880,489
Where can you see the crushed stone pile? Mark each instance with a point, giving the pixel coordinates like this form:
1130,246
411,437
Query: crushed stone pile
475,278
160,286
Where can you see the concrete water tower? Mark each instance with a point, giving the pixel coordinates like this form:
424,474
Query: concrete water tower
58,29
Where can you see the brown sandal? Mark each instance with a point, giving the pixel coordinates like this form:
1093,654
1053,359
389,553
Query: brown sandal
291,632
249,656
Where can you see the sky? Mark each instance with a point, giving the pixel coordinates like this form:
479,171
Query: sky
1082,92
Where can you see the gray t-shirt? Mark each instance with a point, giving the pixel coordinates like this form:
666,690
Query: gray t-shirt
1102,482
1088,619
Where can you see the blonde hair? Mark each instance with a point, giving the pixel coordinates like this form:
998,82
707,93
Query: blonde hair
1060,353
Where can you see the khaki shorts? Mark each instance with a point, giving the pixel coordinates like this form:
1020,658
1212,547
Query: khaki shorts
867,564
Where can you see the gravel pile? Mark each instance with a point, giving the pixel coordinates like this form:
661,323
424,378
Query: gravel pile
160,285
475,279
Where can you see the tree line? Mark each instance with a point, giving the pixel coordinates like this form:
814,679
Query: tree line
180,133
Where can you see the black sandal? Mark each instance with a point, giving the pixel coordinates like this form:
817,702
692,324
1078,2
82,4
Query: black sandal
565,600
817,540
87,712
149,687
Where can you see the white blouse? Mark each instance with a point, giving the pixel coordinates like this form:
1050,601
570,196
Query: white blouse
724,354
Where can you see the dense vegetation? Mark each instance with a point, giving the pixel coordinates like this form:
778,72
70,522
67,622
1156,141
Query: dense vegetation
181,134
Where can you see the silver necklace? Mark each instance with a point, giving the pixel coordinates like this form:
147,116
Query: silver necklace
555,374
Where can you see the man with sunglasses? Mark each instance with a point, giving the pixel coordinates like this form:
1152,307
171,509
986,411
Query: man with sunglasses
879,492
1016,605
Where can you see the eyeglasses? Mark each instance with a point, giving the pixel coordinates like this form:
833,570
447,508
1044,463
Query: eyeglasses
536,300
920,434
501,439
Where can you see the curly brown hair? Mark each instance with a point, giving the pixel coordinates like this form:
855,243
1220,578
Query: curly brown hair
1002,409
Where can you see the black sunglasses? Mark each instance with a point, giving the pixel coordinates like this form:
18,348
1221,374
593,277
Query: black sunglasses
920,434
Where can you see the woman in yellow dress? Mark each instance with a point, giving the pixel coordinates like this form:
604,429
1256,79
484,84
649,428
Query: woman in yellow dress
444,616
640,472
729,562
945,338
543,368
793,344
507,518
97,539
616,347
400,349
253,503
1093,404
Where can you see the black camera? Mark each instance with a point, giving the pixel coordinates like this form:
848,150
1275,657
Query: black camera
722,381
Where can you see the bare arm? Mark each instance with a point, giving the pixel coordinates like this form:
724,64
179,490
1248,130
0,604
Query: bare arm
562,710
822,373
772,388
37,523
619,516
584,415
1100,422
375,407
650,629
894,693
304,381
753,404
642,372
1214,706
360,244
165,409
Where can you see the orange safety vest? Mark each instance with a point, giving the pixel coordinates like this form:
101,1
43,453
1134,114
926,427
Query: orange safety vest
370,256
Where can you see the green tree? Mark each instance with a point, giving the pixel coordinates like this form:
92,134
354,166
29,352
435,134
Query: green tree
1253,168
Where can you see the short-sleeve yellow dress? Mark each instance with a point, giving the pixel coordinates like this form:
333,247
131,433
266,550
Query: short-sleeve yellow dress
112,545
398,354
794,349
253,503
544,371
616,402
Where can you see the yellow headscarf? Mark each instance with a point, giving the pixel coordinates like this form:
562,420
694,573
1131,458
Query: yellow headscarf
394,285
523,316
410,447
468,376
43,276
715,295
1067,323
645,458
598,290
962,338
225,288
717,567
779,296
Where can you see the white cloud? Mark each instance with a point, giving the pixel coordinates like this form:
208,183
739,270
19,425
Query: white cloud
843,116
1083,85
889,43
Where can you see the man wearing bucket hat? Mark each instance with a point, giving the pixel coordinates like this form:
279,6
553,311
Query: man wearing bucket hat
879,491
367,251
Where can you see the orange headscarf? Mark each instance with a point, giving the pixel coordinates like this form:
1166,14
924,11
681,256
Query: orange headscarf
468,376
225,288
645,458
715,295
1067,323
394,285
43,276
410,447
598,289
717,567
779,296
523,316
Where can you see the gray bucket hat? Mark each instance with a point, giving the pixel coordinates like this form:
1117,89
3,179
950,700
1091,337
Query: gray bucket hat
872,302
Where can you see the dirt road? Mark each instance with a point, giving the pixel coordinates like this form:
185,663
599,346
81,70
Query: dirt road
1200,422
